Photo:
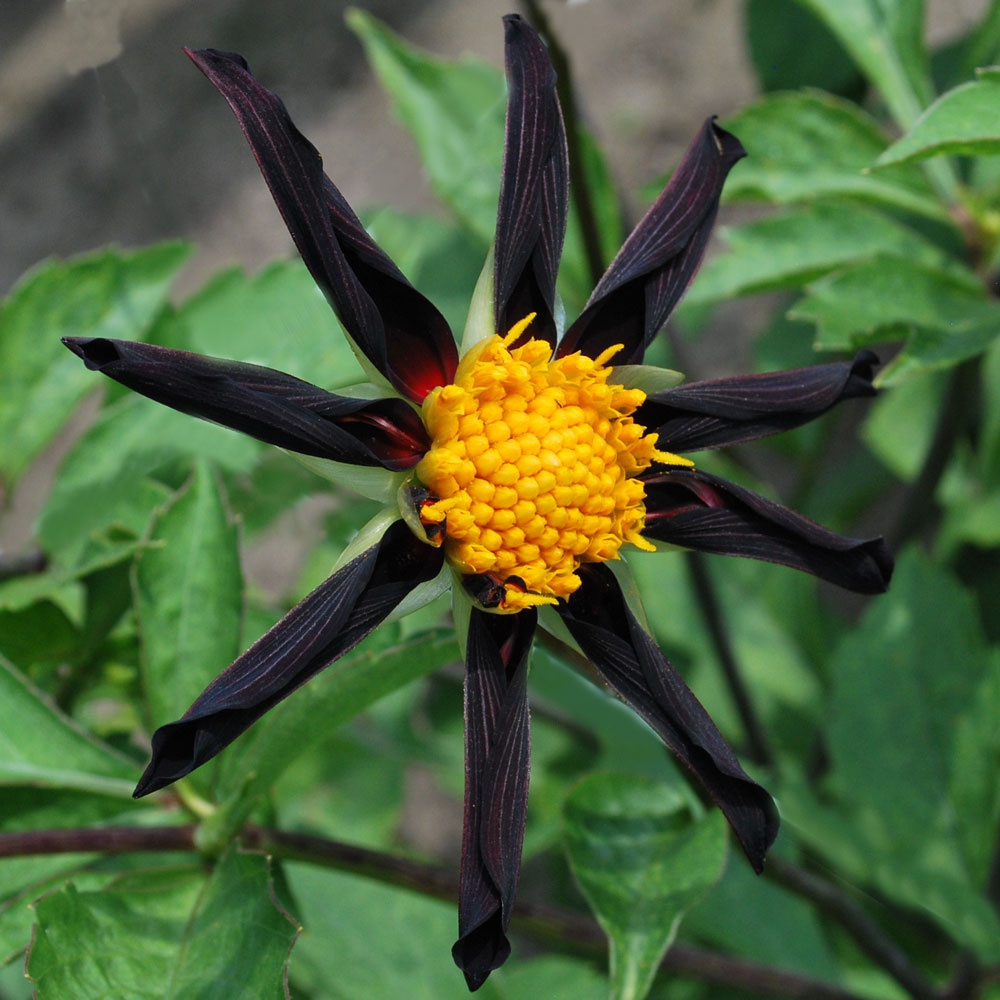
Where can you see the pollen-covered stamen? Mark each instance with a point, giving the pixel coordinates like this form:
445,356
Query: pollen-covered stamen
531,468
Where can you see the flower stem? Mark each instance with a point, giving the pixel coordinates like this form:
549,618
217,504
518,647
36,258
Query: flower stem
758,746
919,507
567,929
28,564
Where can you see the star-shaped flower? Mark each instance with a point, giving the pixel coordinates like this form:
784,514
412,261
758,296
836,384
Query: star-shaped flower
516,471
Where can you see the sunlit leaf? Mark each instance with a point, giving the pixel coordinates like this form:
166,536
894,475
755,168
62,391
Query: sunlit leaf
961,122
802,244
807,145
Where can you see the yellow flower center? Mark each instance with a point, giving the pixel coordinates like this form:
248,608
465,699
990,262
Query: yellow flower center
531,470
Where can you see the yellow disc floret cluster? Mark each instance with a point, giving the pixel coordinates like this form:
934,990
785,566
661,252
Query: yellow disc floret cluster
531,470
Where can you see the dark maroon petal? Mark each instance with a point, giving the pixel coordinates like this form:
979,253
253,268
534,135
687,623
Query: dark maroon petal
333,619
726,411
496,787
534,187
657,262
399,331
266,404
635,668
696,510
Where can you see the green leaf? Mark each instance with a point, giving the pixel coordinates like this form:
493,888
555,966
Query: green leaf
900,424
808,145
377,667
907,686
168,936
946,314
440,259
791,249
455,112
42,748
104,489
961,122
642,860
363,940
791,49
188,597
106,294
277,318
885,39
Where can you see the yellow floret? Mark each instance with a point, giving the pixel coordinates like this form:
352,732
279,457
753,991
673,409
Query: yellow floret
532,467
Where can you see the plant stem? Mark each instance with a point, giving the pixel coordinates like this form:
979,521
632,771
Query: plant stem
579,187
570,930
868,935
759,747
919,506
22,565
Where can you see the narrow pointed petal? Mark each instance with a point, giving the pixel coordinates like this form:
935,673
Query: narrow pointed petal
328,623
534,187
635,668
496,787
657,262
696,510
725,411
400,332
269,405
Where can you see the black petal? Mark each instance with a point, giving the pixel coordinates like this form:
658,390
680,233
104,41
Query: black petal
696,510
726,411
266,404
635,668
496,787
534,188
657,262
328,623
400,332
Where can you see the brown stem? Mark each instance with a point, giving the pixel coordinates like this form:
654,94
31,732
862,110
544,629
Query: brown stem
919,507
565,928
26,564
867,934
759,746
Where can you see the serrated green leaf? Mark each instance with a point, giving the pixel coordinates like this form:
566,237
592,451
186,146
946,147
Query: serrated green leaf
946,314
377,667
42,748
807,145
188,597
961,122
107,294
798,246
176,936
455,112
642,860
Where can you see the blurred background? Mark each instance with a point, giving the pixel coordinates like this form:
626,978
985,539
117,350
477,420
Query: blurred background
109,135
